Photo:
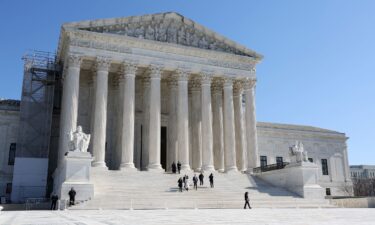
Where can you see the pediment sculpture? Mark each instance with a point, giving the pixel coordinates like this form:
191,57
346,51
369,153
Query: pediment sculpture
78,141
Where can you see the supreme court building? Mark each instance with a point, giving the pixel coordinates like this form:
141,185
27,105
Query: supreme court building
160,88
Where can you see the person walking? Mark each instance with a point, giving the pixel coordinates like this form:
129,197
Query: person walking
72,196
186,183
54,199
247,203
211,177
201,179
179,167
173,167
180,184
195,181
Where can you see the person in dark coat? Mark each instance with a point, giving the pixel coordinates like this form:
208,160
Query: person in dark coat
180,184
195,181
54,199
201,179
179,167
173,167
211,177
247,203
72,196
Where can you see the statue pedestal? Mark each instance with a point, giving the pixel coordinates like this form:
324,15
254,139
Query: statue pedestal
74,172
300,178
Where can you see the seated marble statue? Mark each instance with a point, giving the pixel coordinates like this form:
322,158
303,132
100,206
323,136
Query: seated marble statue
298,153
78,141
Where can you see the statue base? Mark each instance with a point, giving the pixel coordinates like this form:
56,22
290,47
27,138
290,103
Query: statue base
74,173
300,178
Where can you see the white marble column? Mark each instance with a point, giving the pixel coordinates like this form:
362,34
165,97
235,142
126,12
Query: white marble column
229,130
251,129
100,116
207,136
128,108
183,119
69,103
154,120
146,81
239,126
195,124
217,125
172,149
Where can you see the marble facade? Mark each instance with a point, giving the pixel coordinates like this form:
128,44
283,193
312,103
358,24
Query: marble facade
123,98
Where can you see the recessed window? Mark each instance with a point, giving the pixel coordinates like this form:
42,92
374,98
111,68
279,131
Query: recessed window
311,160
324,167
12,153
328,191
263,161
279,161
9,188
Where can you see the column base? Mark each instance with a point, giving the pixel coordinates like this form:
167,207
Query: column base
128,167
99,165
155,168
221,170
209,168
185,167
197,170
232,169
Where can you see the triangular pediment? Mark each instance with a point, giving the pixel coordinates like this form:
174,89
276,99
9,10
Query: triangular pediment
165,27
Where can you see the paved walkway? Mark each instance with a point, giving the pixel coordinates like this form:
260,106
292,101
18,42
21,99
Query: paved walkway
180,217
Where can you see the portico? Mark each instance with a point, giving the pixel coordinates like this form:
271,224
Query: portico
124,90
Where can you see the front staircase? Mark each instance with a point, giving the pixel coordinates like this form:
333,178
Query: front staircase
150,190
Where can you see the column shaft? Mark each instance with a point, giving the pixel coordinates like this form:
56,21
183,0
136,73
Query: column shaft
239,126
217,125
154,121
251,129
127,126
172,148
195,124
183,120
69,104
100,115
146,123
207,137
229,130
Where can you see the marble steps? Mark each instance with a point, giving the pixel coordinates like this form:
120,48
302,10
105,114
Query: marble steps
147,190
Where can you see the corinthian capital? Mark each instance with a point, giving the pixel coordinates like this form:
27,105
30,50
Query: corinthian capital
249,83
182,74
237,87
206,77
155,70
102,63
74,60
128,69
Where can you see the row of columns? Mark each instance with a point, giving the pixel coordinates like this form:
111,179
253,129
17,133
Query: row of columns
220,133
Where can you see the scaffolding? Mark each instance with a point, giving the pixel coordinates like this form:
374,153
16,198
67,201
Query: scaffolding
40,74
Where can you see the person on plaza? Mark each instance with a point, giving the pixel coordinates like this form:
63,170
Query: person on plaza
179,167
54,199
180,184
173,167
211,177
72,196
195,181
201,179
247,203
186,183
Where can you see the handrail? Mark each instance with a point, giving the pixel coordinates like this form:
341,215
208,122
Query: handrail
270,167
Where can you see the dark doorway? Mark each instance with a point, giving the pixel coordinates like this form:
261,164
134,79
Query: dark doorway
163,147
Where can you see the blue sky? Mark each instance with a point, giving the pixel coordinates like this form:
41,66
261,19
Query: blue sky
319,63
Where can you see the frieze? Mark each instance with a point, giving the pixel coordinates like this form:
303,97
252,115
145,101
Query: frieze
117,44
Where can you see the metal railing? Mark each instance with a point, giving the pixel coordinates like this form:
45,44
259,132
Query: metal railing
270,167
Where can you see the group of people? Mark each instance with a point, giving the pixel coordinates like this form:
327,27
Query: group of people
176,167
183,182
54,198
